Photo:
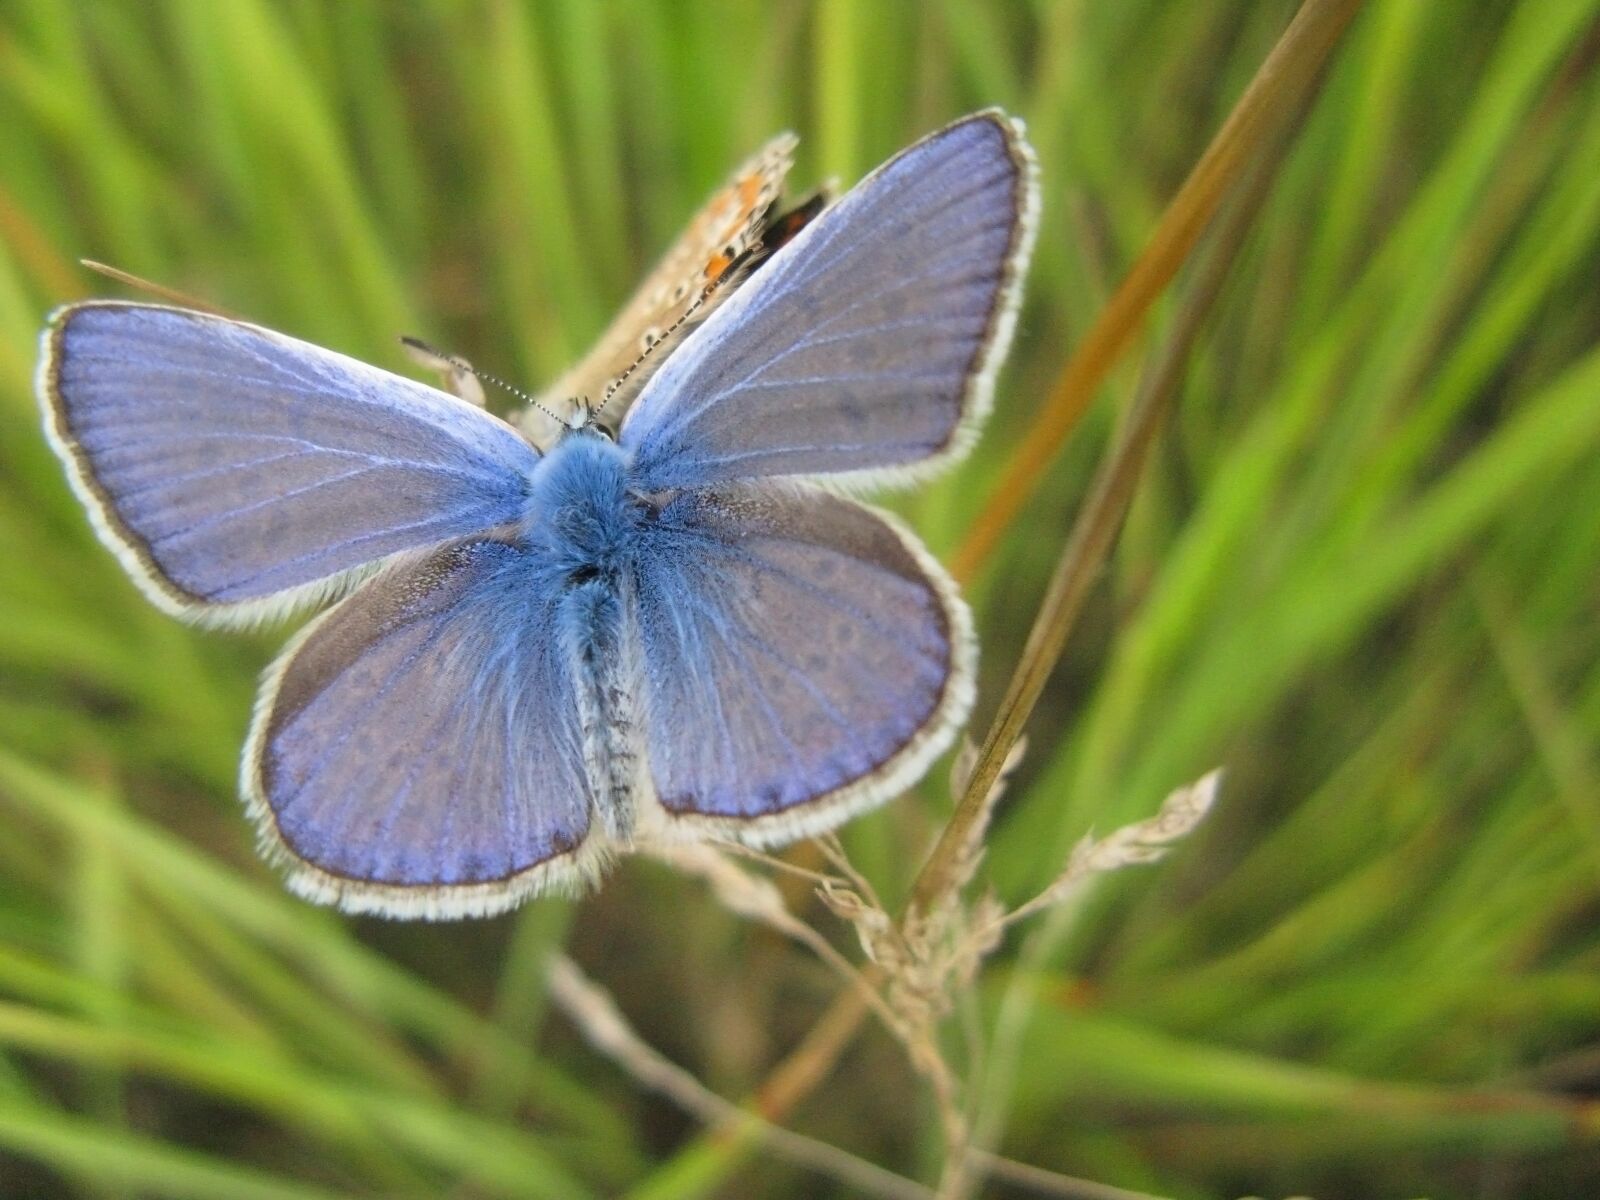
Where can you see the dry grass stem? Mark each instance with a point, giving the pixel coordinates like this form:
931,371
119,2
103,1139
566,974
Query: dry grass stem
771,861
970,852
833,850
1052,1183
592,1009
757,899
1144,841
160,291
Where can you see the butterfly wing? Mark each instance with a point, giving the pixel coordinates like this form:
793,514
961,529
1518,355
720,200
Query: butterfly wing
237,472
869,341
867,346
802,659
417,749
730,223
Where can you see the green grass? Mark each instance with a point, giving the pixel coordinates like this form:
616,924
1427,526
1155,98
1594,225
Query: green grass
1362,572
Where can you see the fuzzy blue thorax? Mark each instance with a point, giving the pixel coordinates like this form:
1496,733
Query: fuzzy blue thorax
580,509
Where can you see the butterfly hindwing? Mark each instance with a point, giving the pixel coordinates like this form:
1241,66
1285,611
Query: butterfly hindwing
236,471
802,658
418,749
866,347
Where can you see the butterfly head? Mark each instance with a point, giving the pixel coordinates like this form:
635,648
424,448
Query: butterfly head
589,419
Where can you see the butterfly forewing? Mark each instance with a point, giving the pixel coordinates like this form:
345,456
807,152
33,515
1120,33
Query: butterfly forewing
866,347
234,469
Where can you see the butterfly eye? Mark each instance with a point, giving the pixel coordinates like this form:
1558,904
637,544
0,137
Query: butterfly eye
593,423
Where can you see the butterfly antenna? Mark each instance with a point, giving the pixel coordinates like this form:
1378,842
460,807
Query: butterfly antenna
462,364
139,284
729,272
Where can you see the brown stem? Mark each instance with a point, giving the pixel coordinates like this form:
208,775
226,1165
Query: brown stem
1281,89
1283,79
1112,492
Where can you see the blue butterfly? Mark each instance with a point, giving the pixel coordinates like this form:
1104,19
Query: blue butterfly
542,658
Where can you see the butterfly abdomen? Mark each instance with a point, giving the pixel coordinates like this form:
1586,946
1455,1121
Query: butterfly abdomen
592,634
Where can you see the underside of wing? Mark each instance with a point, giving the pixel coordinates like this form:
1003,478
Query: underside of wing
803,658
417,751
237,472
865,350
727,226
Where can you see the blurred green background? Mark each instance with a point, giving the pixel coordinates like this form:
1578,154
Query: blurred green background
1362,572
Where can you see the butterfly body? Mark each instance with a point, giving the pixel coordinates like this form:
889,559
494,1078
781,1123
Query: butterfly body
548,650
584,528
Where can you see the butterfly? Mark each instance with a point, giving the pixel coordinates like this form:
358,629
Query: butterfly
540,657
